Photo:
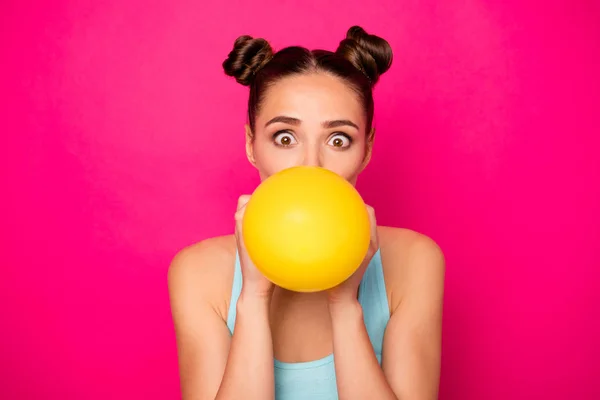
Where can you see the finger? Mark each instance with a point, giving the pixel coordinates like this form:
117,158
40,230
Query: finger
241,207
373,221
239,238
242,201
371,212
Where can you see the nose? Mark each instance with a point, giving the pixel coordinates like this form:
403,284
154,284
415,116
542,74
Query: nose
312,157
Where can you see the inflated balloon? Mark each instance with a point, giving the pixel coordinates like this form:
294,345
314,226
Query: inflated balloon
306,229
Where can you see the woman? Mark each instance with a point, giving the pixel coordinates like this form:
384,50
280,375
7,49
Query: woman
238,336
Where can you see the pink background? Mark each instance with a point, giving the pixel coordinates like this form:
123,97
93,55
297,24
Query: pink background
122,141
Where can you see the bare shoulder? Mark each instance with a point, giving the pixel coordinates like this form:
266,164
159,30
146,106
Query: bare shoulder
409,259
204,272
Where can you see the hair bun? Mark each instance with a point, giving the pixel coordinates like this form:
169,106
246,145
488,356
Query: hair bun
248,56
369,53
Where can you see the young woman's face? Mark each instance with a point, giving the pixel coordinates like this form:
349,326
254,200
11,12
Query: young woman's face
313,120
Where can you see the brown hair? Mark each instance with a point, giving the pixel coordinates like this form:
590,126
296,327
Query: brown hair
359,60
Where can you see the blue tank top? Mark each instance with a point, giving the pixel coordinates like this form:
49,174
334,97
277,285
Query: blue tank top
315,380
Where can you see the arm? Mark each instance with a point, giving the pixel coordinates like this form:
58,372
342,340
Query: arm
212,365
357,371
249,371
412,340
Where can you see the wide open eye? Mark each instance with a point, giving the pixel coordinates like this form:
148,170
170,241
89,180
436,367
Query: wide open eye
340,140
284,139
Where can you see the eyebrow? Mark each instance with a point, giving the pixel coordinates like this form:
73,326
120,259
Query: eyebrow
326,124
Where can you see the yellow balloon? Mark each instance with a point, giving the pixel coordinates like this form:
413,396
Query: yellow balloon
306,229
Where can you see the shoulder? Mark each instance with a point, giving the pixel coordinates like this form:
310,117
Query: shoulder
410,259
407,244
204,272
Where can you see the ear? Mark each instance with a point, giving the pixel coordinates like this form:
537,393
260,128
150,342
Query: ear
249,145
368,149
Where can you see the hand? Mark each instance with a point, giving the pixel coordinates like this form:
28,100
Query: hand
347,291
254,282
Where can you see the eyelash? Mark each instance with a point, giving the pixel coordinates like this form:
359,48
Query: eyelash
278,133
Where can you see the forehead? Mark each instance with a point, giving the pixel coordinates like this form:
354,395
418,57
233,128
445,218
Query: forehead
312,98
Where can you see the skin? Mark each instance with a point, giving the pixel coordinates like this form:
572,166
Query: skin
215,365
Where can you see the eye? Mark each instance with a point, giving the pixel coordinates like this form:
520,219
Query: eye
340,140
284,139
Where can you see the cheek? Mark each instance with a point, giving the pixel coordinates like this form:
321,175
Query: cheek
347,164
348,168
270,159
